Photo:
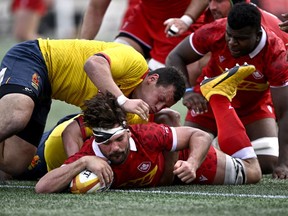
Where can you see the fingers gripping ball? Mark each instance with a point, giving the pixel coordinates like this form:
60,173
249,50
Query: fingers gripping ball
86,182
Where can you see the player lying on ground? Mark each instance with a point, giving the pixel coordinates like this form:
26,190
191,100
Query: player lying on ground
132,156
35,72
68,135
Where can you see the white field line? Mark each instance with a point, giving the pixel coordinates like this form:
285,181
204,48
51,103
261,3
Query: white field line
205,194
178,192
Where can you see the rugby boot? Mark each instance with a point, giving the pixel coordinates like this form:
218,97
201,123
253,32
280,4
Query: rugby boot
226,83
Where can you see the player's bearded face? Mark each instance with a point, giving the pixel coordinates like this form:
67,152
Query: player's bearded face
116,149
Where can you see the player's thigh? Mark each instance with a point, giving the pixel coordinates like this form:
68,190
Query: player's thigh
266,127
17,155
16,110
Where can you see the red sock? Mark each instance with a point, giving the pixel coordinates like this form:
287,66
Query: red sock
232,135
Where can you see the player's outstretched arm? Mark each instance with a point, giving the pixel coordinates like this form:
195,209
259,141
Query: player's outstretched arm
59,179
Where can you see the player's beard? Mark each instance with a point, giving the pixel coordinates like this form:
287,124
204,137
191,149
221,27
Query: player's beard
119,157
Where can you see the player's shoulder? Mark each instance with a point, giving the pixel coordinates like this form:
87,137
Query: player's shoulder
150,128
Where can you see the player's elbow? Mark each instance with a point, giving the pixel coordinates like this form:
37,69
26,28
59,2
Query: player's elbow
40,188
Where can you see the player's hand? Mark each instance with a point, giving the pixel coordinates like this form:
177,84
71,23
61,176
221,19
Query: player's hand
169,116
195,102
284,25
101,168
185,171
138,107
280,172
175,27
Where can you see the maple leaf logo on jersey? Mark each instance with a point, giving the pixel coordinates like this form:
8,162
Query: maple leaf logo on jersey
144,166
257,75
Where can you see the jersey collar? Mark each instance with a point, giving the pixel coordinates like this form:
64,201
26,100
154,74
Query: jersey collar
261,45
98,152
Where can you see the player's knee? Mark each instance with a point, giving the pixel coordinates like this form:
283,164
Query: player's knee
238,172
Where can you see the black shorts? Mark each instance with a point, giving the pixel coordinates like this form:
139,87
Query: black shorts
23,70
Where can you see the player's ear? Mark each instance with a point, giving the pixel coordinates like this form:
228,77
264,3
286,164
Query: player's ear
153,78
259,35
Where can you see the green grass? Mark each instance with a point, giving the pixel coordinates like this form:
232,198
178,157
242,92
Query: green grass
269,197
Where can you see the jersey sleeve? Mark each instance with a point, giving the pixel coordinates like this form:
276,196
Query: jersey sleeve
126,62
203,39
276,68
128,67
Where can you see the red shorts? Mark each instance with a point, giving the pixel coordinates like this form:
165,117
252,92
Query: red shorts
247,115
149,32
207,171
38,6
129,10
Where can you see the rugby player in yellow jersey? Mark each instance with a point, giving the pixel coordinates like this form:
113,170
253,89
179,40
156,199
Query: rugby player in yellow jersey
32,73
68,135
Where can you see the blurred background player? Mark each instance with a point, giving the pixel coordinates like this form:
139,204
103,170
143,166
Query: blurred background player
94,15
27,17
143,26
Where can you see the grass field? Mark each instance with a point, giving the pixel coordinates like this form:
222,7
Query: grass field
269,197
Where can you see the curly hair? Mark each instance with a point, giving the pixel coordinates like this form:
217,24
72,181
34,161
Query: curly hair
242,15
103,111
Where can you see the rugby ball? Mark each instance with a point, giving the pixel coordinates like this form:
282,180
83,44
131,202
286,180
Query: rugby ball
86,182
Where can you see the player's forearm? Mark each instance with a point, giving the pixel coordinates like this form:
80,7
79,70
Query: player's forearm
90,28
283,141
58,179
196,8
173,59
93,18
199,145
99,71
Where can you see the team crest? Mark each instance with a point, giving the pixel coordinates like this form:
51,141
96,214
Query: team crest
257,75
144,166
34,162
35,81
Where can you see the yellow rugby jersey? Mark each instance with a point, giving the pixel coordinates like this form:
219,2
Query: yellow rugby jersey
65,61
54,151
